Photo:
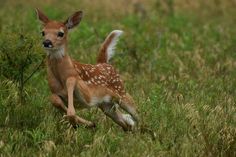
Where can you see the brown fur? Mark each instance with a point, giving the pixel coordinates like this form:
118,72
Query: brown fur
84,85
102,57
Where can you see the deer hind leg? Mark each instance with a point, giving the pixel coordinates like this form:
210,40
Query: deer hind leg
127,103
117,116
58,103
74,119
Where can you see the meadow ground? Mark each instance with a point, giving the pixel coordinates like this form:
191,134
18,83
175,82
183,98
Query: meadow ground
177,58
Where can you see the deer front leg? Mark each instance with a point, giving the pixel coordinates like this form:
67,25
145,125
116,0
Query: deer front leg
70,85
74,120
58,103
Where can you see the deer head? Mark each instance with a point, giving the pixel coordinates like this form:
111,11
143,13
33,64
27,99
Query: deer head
55,32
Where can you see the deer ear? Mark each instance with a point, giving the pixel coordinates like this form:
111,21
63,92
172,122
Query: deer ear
74,20
41,16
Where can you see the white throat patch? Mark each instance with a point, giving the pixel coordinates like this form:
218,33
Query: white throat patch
56,53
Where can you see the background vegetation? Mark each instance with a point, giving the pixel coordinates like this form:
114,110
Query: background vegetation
177,57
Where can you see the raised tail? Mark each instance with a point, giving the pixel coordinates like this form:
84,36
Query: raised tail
108,47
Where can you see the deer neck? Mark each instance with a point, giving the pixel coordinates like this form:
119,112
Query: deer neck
60,64
56,57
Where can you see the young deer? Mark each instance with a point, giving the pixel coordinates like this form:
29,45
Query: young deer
84,85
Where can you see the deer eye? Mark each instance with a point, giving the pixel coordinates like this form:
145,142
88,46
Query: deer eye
43,33
60,34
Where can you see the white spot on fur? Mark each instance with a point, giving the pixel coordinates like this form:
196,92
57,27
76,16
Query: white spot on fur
128,119
86,73
113,81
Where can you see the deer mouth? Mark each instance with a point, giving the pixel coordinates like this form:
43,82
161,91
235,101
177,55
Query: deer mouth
50,48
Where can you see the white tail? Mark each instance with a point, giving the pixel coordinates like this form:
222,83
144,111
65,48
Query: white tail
108,47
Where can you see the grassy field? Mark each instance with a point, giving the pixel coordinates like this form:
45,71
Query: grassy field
177,58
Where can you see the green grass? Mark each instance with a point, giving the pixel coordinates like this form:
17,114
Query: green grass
179,65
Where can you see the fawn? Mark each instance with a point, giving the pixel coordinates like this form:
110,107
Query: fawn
84,85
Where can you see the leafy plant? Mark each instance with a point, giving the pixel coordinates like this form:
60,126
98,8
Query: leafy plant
18,59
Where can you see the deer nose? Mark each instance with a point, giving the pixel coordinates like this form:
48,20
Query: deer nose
47,43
